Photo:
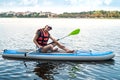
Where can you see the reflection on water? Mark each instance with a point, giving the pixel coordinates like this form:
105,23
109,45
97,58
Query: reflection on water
71,70
45,70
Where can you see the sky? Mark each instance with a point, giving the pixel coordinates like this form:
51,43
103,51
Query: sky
58,6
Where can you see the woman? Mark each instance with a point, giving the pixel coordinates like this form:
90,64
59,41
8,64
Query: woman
41,38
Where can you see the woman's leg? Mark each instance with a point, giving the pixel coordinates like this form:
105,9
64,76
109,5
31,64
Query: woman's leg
63,47
49,47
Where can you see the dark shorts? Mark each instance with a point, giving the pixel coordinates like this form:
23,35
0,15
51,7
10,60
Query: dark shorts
40,49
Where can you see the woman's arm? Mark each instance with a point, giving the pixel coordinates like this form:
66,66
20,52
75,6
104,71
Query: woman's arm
56,42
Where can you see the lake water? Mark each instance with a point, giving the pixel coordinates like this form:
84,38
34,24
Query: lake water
95,35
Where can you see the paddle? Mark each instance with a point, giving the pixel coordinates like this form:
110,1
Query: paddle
75,32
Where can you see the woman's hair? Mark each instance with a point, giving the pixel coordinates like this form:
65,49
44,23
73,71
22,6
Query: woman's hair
48,27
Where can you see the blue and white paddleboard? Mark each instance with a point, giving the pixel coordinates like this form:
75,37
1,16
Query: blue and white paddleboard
77,55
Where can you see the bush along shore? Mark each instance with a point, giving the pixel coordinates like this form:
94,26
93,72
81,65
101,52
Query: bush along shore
88,14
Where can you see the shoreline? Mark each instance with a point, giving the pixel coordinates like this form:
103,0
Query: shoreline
52,18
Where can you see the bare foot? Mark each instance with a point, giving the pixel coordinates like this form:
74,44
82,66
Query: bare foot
56,49
70,51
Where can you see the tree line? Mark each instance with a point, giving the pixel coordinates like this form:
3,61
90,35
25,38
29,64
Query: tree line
92,14
88,14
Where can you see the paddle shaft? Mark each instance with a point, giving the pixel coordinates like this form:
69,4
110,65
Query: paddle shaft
59,39
72,33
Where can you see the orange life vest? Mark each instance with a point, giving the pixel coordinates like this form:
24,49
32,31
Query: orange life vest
43,37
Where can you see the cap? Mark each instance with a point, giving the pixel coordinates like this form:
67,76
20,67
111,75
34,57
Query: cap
50,27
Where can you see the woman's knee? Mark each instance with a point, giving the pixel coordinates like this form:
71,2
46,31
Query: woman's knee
51,46
54,44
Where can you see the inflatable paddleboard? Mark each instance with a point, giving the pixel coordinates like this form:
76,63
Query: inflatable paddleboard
77,55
